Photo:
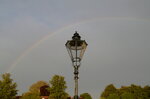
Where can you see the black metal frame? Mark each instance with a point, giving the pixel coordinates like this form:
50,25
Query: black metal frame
78,45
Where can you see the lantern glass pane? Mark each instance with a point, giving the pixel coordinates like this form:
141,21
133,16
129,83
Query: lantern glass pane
76,50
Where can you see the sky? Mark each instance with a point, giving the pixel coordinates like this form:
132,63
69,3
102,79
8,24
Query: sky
33,34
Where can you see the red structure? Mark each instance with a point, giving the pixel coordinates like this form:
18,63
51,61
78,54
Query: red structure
44,91
18,97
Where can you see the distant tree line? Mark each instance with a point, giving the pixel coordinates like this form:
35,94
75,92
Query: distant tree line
57,89
126,92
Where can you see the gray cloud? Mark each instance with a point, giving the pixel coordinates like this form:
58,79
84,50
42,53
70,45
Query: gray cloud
117,33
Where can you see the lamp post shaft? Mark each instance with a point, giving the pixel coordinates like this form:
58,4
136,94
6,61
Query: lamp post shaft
76,83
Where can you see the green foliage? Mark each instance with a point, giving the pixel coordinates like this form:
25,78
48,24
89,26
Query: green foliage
110,89
146,90
127,95
113,96
7,87
86,96
57,88
126,92
30,95
35,88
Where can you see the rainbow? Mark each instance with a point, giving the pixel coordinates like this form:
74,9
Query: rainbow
29,49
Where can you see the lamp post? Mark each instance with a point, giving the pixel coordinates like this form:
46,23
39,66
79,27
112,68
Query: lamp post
76,48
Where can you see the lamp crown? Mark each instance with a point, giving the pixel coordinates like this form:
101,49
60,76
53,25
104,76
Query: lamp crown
76,36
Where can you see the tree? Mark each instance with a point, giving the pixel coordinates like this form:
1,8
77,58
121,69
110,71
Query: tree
102,98
7,87
113,96
86,96
126,92
110,89
35,88
57,88
146,90
127,95
30,95
132,91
